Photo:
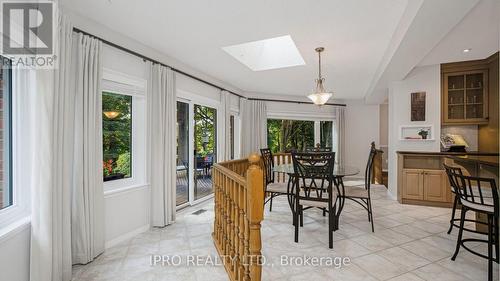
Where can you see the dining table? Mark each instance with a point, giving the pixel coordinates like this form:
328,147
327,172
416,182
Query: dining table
339,172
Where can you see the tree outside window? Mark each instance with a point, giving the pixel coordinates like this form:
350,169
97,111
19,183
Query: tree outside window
288,135
117,136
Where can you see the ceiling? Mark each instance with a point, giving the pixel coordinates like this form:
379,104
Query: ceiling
360,37
194,32
478,31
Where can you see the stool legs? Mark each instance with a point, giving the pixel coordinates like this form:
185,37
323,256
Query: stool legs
460,232
490,247
453,213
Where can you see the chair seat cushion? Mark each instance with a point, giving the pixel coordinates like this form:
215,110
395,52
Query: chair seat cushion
277,187
356,192
479,207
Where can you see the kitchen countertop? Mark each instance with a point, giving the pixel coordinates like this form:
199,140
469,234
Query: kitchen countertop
449,153
480,159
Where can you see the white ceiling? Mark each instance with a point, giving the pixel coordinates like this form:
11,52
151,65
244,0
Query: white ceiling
354,33
478,31
367,42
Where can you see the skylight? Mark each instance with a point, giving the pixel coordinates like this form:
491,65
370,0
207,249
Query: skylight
273,53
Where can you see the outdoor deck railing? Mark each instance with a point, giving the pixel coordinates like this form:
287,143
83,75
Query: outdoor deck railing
239,207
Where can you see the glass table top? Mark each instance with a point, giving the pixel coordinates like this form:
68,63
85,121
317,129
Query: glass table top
338,171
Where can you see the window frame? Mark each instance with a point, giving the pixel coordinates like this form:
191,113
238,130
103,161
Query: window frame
122,84
18,212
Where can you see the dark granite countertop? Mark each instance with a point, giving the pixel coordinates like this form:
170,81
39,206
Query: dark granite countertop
449,153
480,159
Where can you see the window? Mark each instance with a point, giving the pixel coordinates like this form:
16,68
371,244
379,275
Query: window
326,133
6,190
117,136
287,135
284,135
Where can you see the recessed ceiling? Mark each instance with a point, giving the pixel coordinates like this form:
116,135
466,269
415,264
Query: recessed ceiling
355,35
267,54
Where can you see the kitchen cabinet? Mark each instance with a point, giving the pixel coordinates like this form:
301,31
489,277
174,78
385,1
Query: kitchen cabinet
465,97
422,179
427,185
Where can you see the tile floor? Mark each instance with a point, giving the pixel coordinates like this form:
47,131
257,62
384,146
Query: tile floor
409,244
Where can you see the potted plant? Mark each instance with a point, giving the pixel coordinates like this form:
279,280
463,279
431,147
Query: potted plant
423,133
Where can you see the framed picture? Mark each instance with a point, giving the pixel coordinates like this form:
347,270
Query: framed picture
418,106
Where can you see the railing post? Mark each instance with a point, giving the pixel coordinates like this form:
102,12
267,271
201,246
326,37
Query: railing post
255,214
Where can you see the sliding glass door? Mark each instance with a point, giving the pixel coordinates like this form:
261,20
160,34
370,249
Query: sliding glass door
205,149
196,151
182,153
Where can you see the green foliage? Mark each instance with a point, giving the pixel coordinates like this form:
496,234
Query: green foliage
123,164
204,130
286,135
117,132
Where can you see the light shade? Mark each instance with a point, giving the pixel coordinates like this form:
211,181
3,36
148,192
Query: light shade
320,96
111,114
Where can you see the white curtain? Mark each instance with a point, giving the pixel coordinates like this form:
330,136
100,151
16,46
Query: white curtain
52,160
254,126
340,134
87,223
67,202
162,128
226,132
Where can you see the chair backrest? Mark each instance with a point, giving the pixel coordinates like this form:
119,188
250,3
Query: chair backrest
268,160
369,166
450,171
313,173
477,190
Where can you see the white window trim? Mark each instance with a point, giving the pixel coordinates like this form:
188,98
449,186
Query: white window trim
19,210
124,84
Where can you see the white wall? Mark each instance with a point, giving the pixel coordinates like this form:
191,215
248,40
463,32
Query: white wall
420,79
14,255
362,127
295,110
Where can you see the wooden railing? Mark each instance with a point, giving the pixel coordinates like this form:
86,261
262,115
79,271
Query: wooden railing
239,210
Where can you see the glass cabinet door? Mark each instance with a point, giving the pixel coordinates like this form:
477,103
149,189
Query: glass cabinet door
466,97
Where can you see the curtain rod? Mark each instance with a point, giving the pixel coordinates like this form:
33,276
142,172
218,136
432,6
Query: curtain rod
77,30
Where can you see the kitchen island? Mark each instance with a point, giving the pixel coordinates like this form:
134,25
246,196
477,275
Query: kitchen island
422,179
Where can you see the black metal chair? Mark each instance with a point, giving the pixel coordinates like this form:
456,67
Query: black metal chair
272,188
361,195
453,186
479,195
314,187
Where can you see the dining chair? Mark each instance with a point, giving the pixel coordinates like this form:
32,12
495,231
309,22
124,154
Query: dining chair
272,188
479,195
314,187
361,194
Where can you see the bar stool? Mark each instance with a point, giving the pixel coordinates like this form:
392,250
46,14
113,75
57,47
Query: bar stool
479,195
456,200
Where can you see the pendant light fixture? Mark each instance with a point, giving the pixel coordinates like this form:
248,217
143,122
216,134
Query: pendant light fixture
320,96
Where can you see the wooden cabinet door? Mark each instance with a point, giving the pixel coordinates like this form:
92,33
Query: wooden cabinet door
435,186
413,187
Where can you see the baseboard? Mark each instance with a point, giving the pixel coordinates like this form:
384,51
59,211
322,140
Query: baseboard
126,236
